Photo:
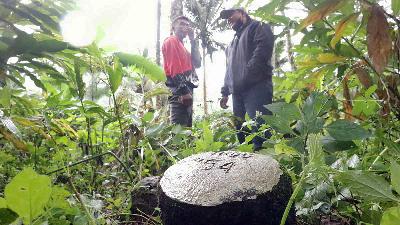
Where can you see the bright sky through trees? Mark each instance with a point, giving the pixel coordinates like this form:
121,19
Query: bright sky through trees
128,25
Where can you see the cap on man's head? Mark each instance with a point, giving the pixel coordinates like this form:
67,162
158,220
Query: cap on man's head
226,13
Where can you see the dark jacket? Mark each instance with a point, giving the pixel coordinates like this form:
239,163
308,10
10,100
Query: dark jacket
249,58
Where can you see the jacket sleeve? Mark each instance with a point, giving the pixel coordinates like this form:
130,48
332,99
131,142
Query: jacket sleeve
196,58
264,45
225,89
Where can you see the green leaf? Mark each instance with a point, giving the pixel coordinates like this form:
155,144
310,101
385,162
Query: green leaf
316,125
330,58
344,130
15,80
296,143
347,51
341,27
391,216
278,19
284,115
43,17
3,47
315,152
80,220
80,85
313,126
268,12
5,97
7,216
365,105
115,75
99,110
395,176
316,105
36,80
396,7
154,130
25,16
285,110
367,185
58,198
283,148
148,117
145,66
320,12
157,92
279,124
3,203
332,145
92,107
51,45
24,43
370,90
206,142
393,147
269,8
33,77
27,194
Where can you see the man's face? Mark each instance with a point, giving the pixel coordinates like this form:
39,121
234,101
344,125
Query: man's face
182,27
236,20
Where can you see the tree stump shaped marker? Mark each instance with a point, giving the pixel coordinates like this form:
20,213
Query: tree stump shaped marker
225,188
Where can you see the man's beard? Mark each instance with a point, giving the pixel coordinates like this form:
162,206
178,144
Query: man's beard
237,25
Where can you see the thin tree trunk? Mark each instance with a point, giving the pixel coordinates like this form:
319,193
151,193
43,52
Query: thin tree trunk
2,77
176,9
160,100
289,49
204,83
3,73
158,57
275,56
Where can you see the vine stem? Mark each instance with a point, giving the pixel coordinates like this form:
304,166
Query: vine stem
78,195
380,155
293,197
128,172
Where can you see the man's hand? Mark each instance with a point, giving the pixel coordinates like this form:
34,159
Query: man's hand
191,34
223,102
186,100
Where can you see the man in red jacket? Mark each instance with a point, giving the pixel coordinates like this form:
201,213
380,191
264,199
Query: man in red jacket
179,66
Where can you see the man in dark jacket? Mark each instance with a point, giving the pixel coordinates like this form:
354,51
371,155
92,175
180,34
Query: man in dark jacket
249,72
179,67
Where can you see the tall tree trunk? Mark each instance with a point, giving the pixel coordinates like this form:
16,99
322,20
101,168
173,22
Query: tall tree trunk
3,73
158,50
176,9
275,56
289,48
2,77
204,82
160,100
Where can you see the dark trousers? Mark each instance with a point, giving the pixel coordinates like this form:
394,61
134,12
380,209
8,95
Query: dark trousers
179,113
251,101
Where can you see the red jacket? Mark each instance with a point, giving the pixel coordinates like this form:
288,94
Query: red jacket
177,60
